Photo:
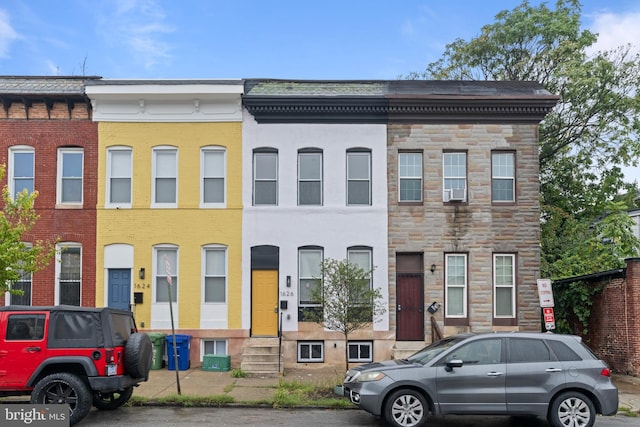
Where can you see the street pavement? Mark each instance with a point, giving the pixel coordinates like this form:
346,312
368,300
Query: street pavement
254,390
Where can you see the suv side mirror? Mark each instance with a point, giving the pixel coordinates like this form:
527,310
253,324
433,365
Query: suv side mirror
453,363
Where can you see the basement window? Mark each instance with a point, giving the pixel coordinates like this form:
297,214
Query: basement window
311,351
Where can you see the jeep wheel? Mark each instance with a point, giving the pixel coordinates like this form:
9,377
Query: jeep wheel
137,355
112,400
64,388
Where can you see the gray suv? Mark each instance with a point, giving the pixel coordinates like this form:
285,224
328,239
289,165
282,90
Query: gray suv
522,374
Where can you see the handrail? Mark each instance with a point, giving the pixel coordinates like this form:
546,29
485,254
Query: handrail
436,333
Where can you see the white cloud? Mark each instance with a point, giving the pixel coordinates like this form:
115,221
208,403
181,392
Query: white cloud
615,30
7,34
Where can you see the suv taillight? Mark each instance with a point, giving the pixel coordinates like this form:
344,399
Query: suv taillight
109,356
606,372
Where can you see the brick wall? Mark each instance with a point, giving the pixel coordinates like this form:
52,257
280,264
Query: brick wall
614,334
77,225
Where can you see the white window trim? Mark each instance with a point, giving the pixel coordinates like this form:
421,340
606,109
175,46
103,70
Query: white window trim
311,359
155,273
369,179
401,177
320,179
107,198
204,340
154,172
253,194
204,271
10,176
203,151
300,251
369,252
512,178
58,269
359,344
447,195
59,178
512,286
464,287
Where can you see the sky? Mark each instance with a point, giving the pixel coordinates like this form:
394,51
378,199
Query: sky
301,39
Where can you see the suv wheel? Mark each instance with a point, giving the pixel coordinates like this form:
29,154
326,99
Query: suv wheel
406,408
64,388
138,354
572,409
112,400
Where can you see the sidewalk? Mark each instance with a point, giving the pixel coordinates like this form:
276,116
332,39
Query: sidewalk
255,390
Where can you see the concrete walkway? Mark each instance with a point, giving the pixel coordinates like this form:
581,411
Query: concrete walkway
251,390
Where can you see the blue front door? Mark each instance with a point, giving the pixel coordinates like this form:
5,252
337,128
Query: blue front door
120,288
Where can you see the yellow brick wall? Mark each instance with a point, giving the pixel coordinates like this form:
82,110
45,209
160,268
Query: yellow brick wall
188,226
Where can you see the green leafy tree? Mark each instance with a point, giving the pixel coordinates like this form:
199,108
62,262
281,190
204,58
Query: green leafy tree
17,258
347,299
584,142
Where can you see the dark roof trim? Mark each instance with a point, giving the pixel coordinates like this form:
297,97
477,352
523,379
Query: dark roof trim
610,274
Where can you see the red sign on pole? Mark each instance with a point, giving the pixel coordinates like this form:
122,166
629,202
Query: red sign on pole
549,318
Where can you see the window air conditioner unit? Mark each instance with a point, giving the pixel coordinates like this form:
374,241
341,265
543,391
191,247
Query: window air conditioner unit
455,195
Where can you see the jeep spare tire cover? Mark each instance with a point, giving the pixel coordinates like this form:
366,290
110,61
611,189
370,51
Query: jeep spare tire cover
138,354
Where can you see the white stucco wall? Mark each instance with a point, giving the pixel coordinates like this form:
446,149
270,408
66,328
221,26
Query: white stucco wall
334,225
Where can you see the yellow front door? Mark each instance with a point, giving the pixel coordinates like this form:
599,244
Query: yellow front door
264,303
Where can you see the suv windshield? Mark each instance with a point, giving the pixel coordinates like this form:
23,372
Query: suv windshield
432,350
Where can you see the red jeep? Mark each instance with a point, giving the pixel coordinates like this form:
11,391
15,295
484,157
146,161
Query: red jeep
73,355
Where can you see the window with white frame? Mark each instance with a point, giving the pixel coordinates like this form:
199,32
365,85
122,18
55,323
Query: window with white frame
166,257
70,175
309,271
310,351
119,172
24,284
504,284
456,285
213,169
455,177
360,351
361,256
214,346
21,170
265,177
410,177
310,177
215,274
358,177
69,269
503,177
165,177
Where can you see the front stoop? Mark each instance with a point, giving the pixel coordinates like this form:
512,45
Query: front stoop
260,358
404,349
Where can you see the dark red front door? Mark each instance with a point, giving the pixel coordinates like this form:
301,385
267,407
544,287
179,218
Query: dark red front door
410,307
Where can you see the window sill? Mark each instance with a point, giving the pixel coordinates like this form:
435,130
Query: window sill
69,206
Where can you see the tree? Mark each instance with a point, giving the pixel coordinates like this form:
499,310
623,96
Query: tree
584,142
347,299
17,257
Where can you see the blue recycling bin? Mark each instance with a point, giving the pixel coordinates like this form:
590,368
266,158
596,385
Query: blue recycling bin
183,346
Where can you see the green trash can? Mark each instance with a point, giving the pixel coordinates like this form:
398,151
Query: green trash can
158,341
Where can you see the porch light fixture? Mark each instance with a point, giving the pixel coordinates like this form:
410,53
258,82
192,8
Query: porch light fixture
288,281
433,268
141,273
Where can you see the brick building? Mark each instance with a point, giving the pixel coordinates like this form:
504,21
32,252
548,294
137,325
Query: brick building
49,143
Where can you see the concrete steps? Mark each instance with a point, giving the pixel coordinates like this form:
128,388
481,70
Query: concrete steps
404,349
261,358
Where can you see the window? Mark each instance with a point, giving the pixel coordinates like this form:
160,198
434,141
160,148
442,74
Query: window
410,176
70,172
504,285
165,177
456,285
119,171
166,257
361,351
311,351
562,351
215,275
25,327
265,177
24,285
528,351
502,177
309,274
213,169
21,167
481,352
69,273
358,177
455,177
214,346
361,256
309,177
